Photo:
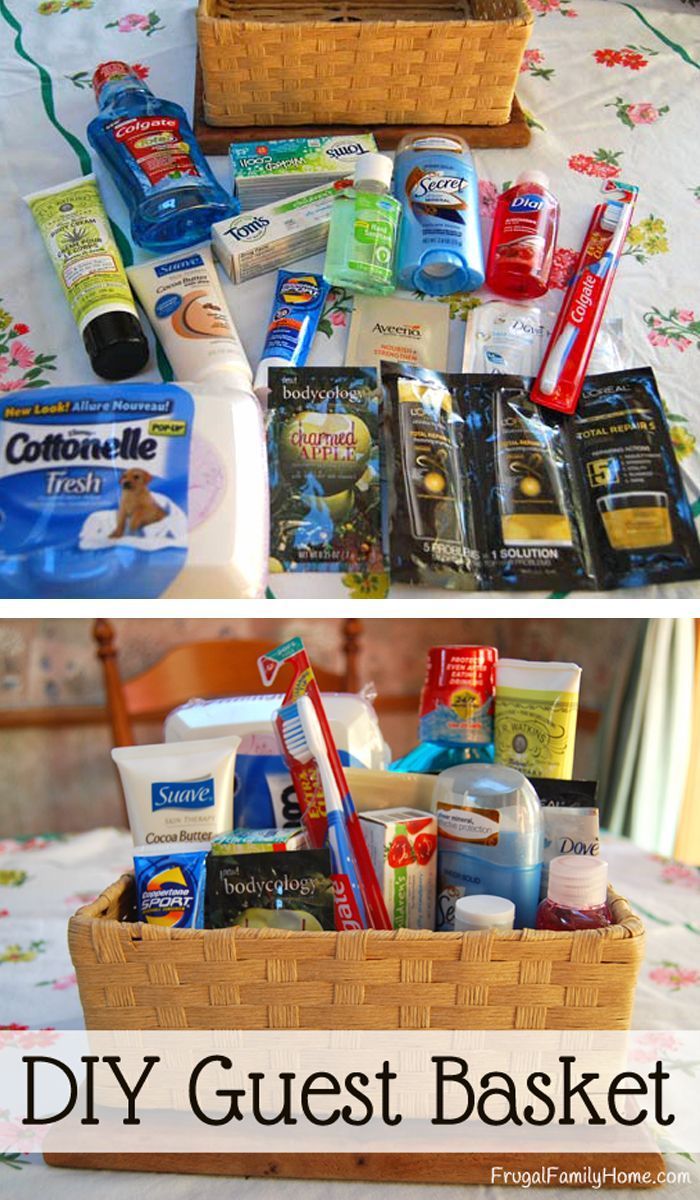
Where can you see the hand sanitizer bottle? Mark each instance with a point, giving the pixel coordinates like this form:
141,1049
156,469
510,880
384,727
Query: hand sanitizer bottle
153,155
363,229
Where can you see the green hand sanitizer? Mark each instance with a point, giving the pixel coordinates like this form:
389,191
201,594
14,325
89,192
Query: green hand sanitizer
363,230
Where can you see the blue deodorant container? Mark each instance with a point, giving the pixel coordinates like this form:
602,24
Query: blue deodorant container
490,839
440,249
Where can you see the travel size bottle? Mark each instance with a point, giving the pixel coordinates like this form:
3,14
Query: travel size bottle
523,238
151,151
576,894
490,840
363,230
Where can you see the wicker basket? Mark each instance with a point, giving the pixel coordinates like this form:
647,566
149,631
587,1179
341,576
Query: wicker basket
367,62
137,976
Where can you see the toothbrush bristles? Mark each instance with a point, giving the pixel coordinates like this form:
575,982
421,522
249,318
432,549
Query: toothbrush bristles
295,738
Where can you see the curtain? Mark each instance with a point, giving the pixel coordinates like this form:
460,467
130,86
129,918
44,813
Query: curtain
688,836
645,743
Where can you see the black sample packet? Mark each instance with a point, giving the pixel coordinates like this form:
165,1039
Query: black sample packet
635,506
272,889
593,501
324,453
566,793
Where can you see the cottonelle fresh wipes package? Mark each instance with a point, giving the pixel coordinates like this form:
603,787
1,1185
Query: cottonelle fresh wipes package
132,490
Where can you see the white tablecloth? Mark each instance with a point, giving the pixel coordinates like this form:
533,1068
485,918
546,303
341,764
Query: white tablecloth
610,88
42,881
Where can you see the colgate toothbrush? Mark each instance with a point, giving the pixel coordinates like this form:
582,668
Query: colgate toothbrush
563,370
307,781
303,739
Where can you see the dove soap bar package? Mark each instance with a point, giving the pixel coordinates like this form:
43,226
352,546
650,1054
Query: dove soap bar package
567,831
133,490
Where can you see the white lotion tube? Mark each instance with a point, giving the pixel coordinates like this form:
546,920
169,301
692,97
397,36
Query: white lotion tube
178,793
184,301
536,712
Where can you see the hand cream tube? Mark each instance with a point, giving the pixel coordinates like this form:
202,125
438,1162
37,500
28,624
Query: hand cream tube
178,793
296,312
184,301
80,244
536,711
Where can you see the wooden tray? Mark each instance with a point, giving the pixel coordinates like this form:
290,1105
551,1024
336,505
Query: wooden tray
215,139
385,1168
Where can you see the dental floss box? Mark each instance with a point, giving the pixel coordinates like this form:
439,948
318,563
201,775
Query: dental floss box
258,841
266,238
267,171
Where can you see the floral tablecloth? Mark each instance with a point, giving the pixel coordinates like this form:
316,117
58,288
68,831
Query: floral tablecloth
610,89
43,880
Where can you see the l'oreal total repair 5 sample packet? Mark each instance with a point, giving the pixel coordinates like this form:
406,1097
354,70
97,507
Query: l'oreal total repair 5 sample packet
488,490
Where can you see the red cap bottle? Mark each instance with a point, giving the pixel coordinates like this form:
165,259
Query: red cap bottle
457,700
523,238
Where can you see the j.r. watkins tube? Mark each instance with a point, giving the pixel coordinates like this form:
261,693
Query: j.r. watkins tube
178,792
527,516
324,459
638,513
428,530
81,246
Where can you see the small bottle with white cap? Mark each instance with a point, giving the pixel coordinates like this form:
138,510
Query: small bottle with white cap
483,912
576,894
361,253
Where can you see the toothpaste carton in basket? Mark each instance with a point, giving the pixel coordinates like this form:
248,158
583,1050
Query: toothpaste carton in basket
402,843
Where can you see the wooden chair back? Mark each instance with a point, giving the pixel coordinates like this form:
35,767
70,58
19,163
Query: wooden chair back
206,670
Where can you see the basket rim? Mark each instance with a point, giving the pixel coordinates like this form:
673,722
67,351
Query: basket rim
627,925
524,17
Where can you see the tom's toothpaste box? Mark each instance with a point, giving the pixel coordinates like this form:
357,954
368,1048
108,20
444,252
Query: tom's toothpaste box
402,844
267,238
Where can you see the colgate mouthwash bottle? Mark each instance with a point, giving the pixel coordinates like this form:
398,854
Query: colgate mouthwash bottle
151,151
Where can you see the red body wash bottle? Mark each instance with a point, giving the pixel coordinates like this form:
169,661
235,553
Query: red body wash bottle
523,238
576,894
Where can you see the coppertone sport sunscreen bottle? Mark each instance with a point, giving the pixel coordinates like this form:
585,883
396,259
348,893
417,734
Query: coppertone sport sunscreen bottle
440,250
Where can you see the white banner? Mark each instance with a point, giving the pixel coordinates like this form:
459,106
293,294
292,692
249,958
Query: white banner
359,1091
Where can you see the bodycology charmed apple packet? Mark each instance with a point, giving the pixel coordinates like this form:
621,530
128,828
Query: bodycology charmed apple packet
490,490
325,469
